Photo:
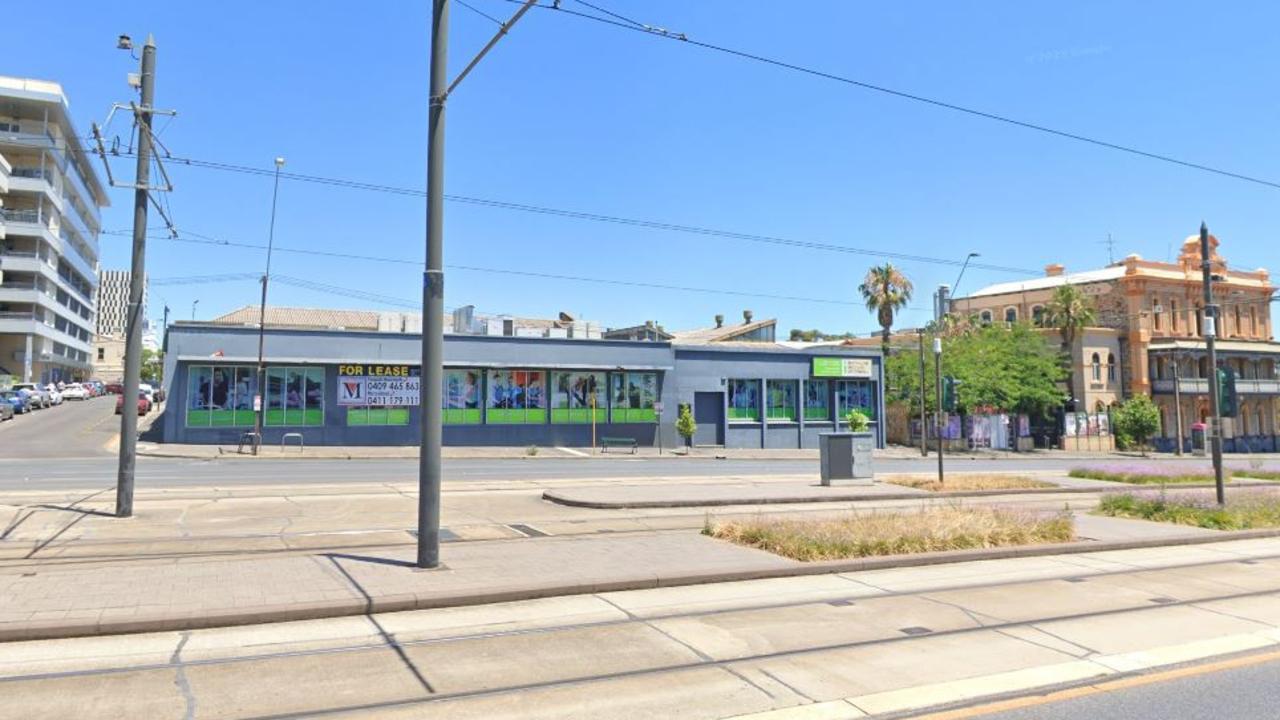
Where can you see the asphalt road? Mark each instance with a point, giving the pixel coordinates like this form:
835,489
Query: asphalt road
1244,693
76,428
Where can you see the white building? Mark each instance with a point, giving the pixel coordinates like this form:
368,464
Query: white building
50,198
113,301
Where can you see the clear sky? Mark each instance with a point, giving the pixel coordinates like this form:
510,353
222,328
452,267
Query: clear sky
581,116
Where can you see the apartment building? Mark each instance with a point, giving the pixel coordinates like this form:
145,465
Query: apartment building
113,302
50,198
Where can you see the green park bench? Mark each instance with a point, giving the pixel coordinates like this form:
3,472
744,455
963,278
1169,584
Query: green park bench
608,442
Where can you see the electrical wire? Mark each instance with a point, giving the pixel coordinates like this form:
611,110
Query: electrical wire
601,218
1037,127
481,13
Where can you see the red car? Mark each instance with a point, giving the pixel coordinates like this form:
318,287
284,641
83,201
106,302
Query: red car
115,388
144,405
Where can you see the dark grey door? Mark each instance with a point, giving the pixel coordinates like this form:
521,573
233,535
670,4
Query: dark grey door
708,413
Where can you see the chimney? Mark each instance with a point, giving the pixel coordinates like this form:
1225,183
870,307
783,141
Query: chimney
746,317
719,321
1054,270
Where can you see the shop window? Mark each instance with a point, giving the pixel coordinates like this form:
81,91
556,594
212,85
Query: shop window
461,396
1097,367
516,397
578,397
781,400
379,416
220,396
634,395
1111,367
295,397
816,393
854,395
744,400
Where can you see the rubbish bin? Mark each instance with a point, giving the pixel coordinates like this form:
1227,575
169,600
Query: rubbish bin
846,456
1198,439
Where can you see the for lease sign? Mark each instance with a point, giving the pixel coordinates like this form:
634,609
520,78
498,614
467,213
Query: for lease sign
378,385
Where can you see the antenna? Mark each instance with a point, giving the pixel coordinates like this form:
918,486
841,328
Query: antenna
1111,249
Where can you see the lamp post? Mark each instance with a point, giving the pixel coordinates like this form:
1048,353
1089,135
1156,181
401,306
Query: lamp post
955,289
937,387
194,303
258,408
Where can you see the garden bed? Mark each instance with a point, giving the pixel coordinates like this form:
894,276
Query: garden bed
895,533
1155,474
967,482
1245,509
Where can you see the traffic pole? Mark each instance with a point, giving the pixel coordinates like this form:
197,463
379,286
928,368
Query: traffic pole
937,387
1210,337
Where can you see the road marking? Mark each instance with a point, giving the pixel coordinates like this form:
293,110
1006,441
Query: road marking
571,451
1104,687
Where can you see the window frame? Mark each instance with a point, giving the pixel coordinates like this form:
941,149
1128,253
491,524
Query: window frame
622,392
237,407
1096,364
811,392
576,410
517,412
788,411
745,413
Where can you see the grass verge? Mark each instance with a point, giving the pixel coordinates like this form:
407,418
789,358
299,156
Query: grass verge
1258,474
967,481
1141,476
1244,511
895,533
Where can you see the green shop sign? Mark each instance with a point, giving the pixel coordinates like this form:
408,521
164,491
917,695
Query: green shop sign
842,367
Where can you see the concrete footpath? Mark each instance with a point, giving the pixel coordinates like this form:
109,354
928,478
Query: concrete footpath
191,559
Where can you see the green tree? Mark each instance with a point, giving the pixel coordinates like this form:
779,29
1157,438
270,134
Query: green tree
152,366
685,425
1070,311
1009,369
1138,418
885,290
858,421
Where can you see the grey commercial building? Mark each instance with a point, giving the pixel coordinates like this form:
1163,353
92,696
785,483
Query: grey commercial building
360,387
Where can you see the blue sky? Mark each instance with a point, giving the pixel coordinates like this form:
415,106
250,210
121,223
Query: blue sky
577,115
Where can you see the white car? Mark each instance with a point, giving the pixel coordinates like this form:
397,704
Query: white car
150,392
54,393
75,391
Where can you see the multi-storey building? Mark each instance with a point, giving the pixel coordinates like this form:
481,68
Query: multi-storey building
113,302
49,225
1151,339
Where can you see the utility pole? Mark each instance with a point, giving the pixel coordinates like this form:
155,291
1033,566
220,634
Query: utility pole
430,390
1177,402
1210,337
259,406
133,338
937,387
924,430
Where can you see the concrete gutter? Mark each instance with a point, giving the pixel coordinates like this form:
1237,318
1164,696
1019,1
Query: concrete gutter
274,613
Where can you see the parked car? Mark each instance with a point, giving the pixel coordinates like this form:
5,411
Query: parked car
99,387
54,393
115,388
7,410
18,402
143,404
77,391
40,397
150,392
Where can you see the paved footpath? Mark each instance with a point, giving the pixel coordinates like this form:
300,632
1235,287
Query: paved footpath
850,645
193,559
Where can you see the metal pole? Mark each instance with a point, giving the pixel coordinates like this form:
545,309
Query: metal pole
429,470
1210,327
1177,403
260,396
937,387
924,431
137,280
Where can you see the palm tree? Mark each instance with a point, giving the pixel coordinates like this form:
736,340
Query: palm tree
886,291
1069,310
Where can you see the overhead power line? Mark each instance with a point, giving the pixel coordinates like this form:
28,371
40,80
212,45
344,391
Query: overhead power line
601,218
659,32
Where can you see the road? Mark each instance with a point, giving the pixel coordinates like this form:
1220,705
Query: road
76,429
1208,693
876,642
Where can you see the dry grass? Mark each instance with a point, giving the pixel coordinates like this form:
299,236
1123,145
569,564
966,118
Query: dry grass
895,533
967,481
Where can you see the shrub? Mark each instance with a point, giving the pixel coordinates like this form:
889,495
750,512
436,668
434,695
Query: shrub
858,421
685,425
1138,419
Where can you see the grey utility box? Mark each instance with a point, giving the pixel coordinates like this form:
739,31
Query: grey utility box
846,456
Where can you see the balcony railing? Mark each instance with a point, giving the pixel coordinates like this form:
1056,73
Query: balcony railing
18,315
33,173
1200,386
15,215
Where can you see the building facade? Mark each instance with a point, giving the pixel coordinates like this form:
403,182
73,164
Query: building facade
1151,339
50,198
360,387
113,302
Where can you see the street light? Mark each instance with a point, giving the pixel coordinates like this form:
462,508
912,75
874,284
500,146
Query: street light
937,383
194,303
955,289
262,313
